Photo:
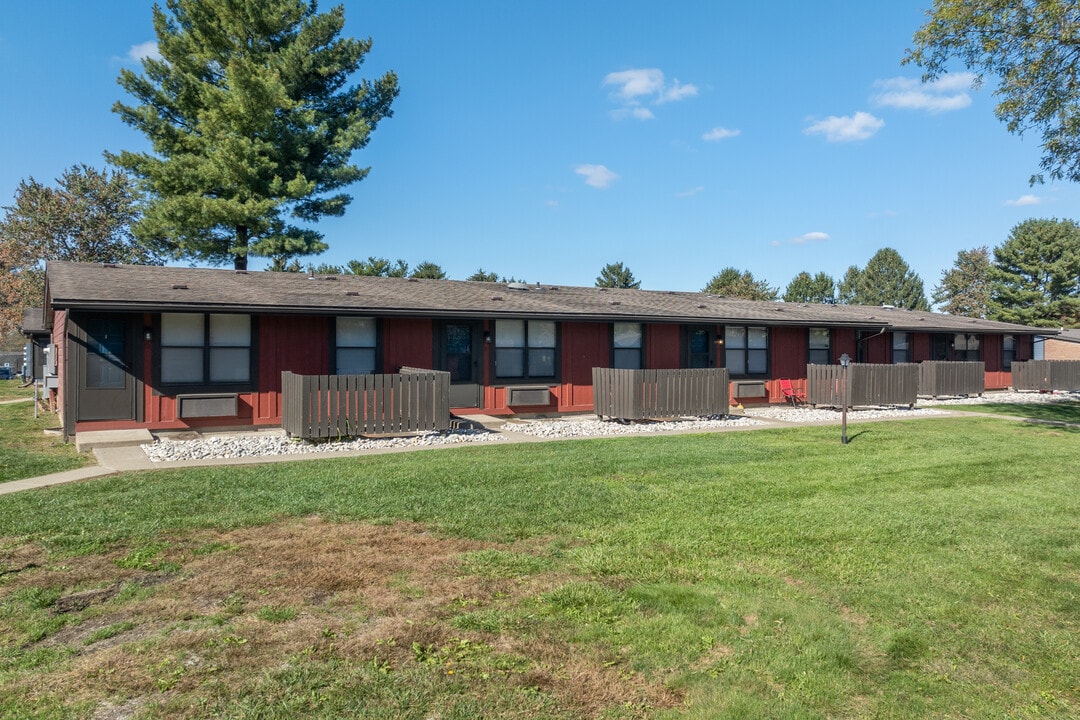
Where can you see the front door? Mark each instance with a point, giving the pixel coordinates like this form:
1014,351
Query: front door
104,367
462,350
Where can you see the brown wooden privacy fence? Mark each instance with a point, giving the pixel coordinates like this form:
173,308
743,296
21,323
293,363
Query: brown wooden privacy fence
869,384
641,394
937,378
1046,375
325,406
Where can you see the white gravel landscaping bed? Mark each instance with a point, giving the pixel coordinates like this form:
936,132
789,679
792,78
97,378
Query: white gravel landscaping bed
807,414
573,427
243,445
263,444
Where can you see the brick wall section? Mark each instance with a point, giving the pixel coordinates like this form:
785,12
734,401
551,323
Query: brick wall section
1061,350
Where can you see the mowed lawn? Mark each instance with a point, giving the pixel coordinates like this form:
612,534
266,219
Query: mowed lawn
25,449
929,569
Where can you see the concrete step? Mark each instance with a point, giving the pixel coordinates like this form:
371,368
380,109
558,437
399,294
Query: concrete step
86,441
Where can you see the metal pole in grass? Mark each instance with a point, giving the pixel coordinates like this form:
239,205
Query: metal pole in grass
845,360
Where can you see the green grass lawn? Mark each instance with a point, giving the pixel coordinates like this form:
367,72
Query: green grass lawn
1056,411
929,569
26,451
12,390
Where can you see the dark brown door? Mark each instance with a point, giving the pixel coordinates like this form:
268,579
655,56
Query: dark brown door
462,350
104,367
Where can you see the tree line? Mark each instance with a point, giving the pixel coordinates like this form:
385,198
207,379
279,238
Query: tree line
1032,278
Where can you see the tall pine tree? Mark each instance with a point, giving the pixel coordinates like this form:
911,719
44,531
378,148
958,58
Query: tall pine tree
886,280
252,124
1035,278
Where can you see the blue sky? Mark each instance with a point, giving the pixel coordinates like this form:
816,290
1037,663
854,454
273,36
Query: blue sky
545,140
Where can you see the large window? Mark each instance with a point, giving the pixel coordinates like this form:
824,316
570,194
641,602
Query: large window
1008,351
355,345
746,350
525,349
901,347
966,347
626,346
205,348
820,352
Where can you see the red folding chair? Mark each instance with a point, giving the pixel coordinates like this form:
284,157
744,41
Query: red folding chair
791,395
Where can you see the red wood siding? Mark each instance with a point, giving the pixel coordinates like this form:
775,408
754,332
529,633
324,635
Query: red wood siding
878,349
584,346
920,347
407,343
788,347
663,347
297,344
843,341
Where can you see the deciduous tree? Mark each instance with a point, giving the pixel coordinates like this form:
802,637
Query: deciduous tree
85,217
965,287
732,283
617,275
820,288
253,125
1035,278
1032,48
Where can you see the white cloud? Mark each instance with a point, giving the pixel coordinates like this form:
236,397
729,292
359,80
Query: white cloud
691,192
636,83
719,133
859,126
596,176
1025,200
948,93
676,92
644,86
144,51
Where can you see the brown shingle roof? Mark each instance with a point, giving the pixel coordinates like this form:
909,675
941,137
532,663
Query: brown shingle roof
155,289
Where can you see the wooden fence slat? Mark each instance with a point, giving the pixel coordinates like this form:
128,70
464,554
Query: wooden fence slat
325,406
641,394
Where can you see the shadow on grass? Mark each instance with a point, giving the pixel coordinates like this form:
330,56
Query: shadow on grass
1067,412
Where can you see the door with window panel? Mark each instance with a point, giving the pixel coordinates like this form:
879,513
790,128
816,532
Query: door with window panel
104,362
460,346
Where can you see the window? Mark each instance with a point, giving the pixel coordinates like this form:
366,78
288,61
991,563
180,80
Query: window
201,349
901,347
746,350
1008,351
820,352
626,346
525,349
966,347
355,345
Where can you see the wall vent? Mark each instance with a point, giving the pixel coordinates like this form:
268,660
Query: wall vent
179,286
